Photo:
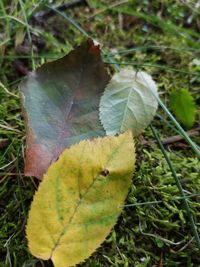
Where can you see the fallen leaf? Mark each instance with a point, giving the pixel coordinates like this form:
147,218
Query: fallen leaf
128,102
60,102
80,198
183,105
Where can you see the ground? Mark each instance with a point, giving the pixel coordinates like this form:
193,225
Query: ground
160,37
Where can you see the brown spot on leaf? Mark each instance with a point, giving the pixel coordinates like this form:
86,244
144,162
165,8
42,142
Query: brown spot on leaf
105,172
34,154
94,48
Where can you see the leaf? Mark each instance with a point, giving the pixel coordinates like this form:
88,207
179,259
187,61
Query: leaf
80,199
183,105
61,102
128,102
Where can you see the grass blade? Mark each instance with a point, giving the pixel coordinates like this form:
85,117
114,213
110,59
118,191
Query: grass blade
178,183
28,33
78,27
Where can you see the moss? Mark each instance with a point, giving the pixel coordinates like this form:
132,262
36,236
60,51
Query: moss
147,234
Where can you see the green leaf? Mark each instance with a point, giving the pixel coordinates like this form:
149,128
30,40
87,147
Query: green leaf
61,101
183,105
128,102
80,198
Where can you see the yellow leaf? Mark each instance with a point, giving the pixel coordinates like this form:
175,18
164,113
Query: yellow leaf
80,198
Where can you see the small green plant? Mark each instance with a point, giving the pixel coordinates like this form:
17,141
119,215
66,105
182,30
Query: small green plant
183,105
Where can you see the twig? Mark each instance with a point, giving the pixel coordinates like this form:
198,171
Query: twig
48,13
175,138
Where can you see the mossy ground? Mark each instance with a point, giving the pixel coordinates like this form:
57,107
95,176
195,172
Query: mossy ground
160,37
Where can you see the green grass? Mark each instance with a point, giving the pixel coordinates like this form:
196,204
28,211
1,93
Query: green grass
154,228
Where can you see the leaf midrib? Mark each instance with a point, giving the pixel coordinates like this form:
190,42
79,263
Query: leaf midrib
125,110
82,198
63,132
